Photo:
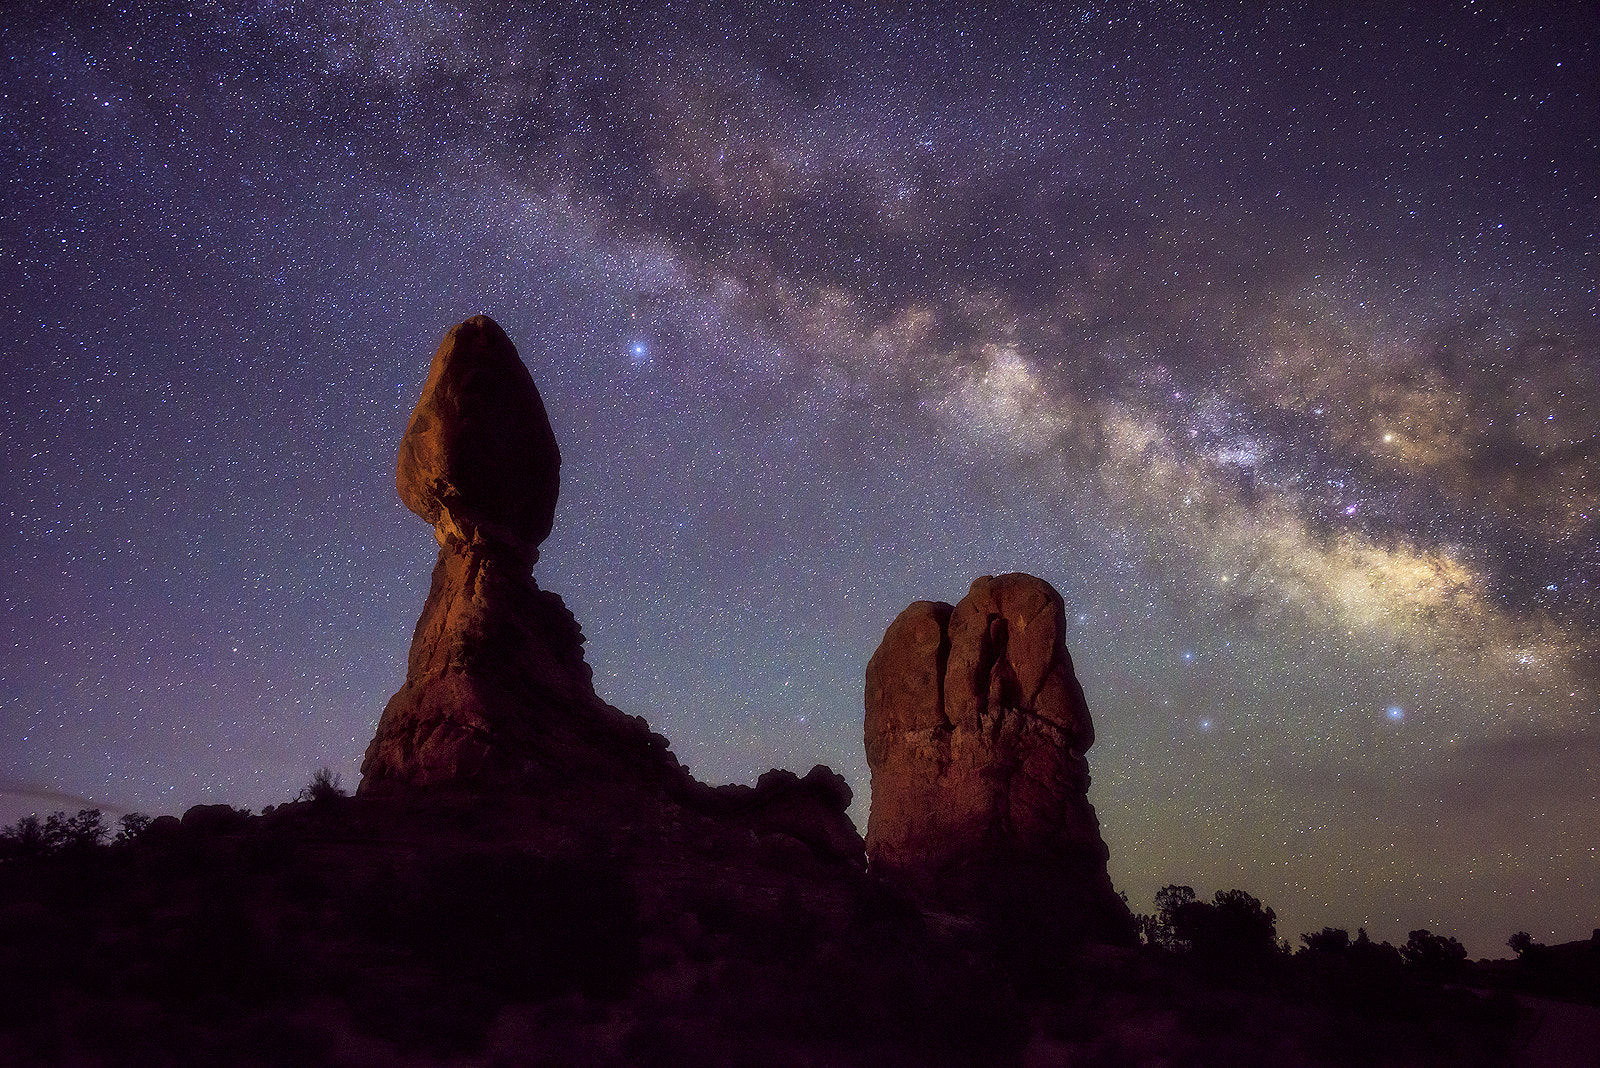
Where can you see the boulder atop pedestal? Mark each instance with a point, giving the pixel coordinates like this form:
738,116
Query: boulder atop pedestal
498,698
976,730
497,693
479,460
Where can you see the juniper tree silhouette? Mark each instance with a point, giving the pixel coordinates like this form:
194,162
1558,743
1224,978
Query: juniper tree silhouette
58,833
1327,940
1433,953
1233,927
1521,942
326,786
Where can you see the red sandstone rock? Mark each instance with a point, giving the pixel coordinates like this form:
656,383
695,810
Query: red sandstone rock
478,459
497,693
976,730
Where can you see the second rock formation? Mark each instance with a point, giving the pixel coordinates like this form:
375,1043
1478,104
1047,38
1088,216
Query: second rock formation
976,730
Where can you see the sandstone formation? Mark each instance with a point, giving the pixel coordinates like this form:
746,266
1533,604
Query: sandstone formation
811,810
976,730
497,693
478,459
497,696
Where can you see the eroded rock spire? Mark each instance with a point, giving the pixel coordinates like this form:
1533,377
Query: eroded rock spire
976,730
497,693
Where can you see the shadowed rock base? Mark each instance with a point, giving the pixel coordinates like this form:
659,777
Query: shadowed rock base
498,696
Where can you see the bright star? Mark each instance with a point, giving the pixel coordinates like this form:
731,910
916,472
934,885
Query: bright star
1396,713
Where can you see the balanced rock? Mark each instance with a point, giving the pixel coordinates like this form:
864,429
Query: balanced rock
497,693
479,460
497,697
976,730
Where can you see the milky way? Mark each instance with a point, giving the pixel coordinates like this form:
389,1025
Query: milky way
1269,339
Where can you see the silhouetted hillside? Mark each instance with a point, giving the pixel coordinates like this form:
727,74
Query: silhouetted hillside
586,928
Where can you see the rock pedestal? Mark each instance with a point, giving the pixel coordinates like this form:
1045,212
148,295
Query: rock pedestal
976,730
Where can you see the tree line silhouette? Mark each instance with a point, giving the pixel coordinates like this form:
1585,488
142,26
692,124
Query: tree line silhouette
205,934
1233,927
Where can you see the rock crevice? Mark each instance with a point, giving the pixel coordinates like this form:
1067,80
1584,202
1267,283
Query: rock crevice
976,730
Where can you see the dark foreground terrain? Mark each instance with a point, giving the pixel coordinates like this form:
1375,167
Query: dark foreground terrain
583,928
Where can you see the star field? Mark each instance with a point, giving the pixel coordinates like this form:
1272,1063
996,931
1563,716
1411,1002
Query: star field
1271,339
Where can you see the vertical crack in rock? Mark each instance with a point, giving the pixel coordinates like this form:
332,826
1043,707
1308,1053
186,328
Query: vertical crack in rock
1006,800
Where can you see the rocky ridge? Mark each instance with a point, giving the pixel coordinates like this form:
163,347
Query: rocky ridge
976,726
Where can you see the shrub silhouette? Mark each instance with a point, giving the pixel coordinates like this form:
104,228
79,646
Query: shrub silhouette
1374,956
130,827
326,786
56,834
1433,953
1521,942
1232,927
25,838
1162,929
1327,940
76,833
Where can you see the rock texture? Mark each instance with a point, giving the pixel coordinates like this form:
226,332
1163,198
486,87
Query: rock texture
976,731
497,693
497,696
810,810
479,460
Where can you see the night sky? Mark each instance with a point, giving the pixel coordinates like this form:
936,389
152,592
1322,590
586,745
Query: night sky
1270,338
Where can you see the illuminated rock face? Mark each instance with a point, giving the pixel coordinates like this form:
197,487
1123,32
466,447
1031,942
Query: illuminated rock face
976,730
497,697
497,693
479,460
